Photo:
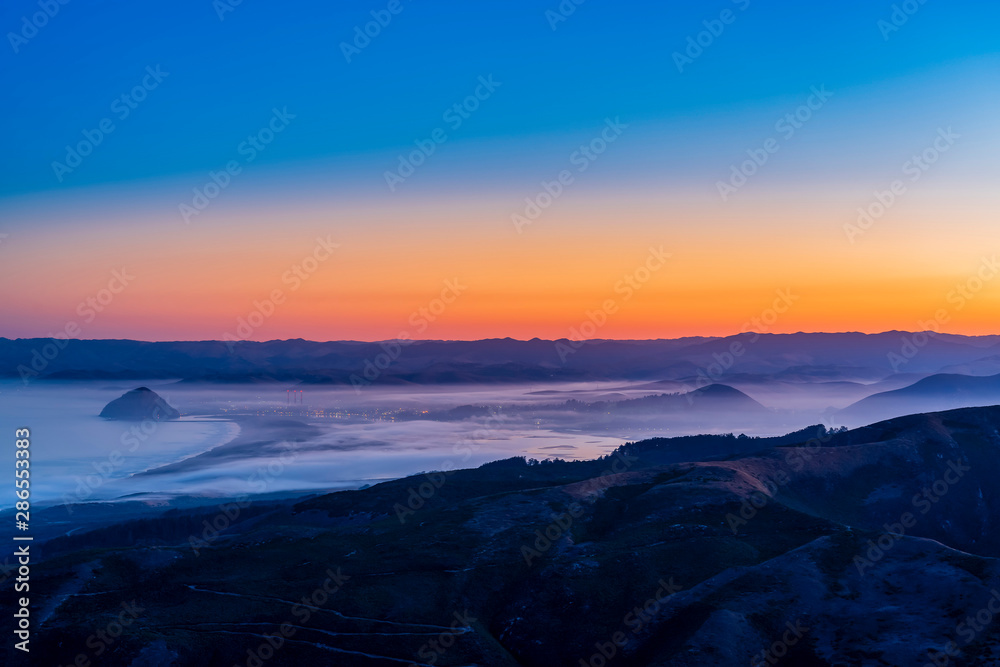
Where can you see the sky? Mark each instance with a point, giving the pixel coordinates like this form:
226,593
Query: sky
200,170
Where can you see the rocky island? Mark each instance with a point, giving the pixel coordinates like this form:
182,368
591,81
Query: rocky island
139,405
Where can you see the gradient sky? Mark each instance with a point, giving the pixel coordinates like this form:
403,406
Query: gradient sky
894,92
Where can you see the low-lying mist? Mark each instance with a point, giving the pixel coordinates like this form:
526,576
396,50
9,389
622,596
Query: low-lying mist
269,437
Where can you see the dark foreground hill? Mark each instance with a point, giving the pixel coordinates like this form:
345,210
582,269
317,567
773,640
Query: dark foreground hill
875,546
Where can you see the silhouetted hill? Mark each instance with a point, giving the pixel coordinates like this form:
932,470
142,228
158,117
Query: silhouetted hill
937,392
139,405
715,398
710,398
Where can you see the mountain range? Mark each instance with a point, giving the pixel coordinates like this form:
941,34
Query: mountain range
798,357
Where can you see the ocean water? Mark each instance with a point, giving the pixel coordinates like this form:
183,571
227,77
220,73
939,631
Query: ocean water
76,455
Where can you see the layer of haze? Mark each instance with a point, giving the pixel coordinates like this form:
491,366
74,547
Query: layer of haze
77,456
339,438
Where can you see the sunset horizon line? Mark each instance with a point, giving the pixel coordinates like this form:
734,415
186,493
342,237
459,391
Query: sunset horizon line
513,338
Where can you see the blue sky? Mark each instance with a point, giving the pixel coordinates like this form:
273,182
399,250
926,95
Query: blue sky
606,59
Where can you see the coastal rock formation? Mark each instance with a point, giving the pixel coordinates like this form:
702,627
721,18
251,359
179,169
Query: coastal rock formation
139,405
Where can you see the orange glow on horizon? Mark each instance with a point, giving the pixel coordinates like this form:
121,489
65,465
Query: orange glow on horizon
726,267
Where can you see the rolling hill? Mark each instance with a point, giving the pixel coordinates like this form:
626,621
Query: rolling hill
936,392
